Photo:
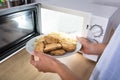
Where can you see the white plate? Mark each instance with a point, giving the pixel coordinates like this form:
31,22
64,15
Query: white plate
30,47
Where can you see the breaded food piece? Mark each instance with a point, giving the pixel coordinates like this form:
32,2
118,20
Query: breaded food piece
68,40
58,52
52,46
39,47
51,39
55,44
40,39
69,47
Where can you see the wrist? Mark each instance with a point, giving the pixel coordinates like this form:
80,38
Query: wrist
97,49
59,67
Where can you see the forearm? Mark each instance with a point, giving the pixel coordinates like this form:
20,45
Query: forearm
66,74
47,63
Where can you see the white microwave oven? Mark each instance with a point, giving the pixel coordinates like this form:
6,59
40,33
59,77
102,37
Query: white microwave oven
49,18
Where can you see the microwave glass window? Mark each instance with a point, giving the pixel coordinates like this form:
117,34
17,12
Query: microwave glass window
13,28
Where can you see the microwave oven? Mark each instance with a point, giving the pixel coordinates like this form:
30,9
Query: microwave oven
47,18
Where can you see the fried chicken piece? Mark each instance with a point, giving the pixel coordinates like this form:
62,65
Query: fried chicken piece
52,46
57,52
39,47
69,47
51,39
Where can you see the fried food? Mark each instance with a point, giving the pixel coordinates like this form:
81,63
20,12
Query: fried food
39,47
55,44
69,47
52,46
58,52
51,39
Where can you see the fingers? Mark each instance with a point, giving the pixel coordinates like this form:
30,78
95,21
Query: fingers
81,39
32,60
42,55
39,54
34,63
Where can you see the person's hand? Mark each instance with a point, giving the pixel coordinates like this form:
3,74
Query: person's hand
89,47
45,63
86,45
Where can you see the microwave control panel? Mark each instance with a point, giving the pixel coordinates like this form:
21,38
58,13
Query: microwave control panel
97,29
95,32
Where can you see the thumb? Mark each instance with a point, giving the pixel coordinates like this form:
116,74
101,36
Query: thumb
36,53
79,39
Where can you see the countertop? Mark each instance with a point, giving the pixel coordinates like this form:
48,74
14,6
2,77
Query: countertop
18,67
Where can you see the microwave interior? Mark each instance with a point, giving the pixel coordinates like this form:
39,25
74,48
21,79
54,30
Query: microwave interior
17,26
55,19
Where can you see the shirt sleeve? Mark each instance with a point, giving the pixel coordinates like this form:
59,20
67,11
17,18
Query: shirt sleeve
108,66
